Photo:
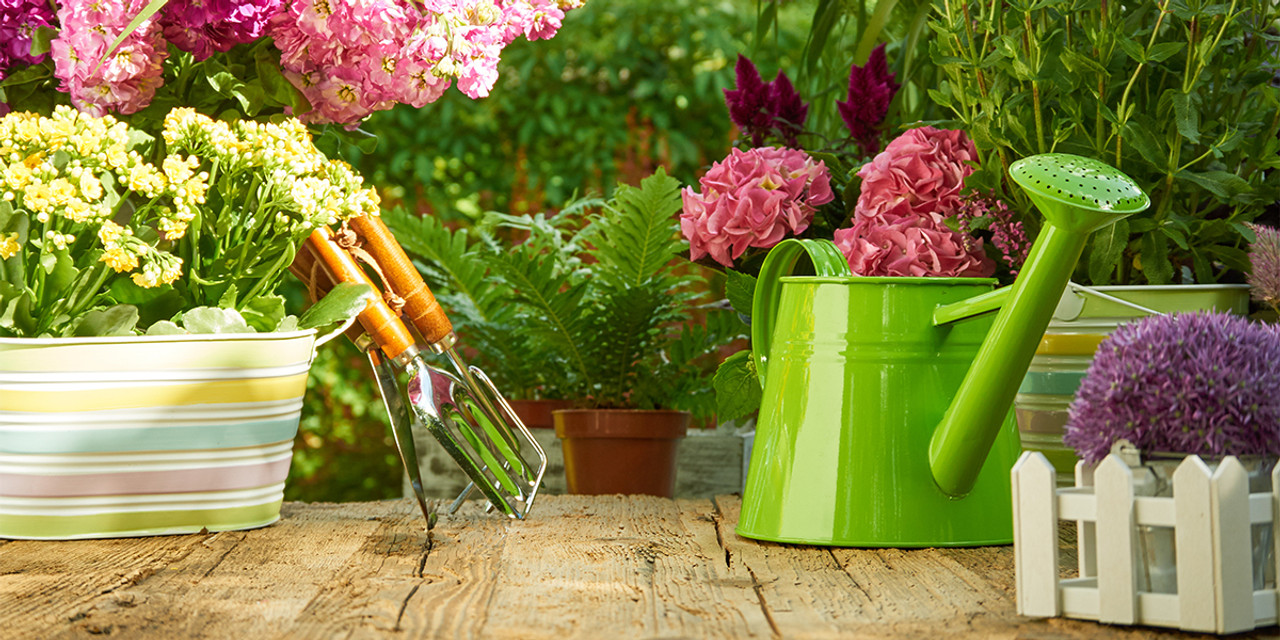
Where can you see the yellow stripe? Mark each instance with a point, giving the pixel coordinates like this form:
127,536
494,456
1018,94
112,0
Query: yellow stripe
152,395
1069,344
156,356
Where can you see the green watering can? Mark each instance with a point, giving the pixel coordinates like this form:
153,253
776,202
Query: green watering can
885,420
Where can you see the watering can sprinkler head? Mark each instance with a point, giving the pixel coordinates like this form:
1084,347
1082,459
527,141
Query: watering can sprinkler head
1076,193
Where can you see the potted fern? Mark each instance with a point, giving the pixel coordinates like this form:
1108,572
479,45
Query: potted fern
593,306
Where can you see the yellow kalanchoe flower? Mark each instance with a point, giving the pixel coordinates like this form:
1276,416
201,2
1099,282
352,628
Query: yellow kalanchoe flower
9,246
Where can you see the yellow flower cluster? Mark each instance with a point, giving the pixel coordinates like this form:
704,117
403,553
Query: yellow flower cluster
304,189
72,172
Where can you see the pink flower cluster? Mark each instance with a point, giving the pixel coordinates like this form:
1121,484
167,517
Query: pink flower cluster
127,80
752,199
353,57
348,57
908,191
19,20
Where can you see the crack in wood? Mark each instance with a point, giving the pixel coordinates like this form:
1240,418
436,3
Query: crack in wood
224,553
420,570
764,606
404,604
716,517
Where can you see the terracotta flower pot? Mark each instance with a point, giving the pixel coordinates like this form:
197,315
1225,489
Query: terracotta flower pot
626,451
536,414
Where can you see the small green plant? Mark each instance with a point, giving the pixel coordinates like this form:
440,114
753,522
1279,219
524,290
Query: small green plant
1177,94
591,307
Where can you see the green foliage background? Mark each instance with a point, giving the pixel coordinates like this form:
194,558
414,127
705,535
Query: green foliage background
625,87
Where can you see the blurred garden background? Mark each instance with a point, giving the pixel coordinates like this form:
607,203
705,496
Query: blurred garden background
625,87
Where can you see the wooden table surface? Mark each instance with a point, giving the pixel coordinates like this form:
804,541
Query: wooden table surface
610,567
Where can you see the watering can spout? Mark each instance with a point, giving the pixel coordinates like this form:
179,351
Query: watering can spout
1076,196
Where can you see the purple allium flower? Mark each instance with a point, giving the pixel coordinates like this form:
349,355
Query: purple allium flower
762,108
871,89
19,20
1264,262
1202,383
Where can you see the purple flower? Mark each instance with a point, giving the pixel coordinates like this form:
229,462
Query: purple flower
762,108
1202,383
1264,263
871,89
205,26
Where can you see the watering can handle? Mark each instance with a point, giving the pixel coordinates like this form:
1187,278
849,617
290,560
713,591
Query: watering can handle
781,261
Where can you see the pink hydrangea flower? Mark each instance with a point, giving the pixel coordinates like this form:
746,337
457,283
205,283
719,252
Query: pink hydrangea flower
752,198
911,246
921,172
908,191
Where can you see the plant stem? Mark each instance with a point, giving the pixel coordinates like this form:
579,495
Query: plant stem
1035,85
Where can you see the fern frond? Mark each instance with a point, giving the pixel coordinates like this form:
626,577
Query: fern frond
549,307
638,234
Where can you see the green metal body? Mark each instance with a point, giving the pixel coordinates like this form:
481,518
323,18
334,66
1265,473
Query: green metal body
886,412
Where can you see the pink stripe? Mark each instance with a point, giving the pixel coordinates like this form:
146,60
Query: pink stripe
144,482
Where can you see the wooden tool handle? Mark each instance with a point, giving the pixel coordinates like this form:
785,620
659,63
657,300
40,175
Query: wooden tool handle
382,324
307,267
420,306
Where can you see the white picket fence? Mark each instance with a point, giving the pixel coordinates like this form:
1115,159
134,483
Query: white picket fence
1211,513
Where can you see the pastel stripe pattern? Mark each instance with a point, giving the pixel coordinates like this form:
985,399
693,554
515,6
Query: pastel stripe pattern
135,436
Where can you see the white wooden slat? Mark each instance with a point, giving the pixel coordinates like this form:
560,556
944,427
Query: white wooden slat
1260,508
1080,598
1233,549
1194,536
1275,528
1035,536
1077,504
1086,529
1154,512
1118,602
1264,608
1158,609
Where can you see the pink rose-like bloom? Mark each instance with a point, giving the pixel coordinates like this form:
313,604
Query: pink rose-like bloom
128,79
752,199
921,172
911,246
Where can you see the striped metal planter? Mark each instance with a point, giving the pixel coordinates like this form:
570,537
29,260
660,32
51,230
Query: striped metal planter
134,436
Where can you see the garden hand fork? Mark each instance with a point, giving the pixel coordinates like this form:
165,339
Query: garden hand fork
464,412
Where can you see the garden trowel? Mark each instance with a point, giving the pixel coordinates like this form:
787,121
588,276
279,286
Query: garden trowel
462,409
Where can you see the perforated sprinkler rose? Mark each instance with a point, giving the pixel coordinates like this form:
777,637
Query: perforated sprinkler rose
1196,383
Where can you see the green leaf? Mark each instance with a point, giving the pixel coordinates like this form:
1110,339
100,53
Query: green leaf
1107,247
1222,184
1131,49
165,328
1187,115
42,40
215,320
343,302
112,321
1154,251
1163,51
264,313
737,386
740,289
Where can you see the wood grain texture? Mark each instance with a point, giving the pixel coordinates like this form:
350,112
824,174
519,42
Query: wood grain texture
580,567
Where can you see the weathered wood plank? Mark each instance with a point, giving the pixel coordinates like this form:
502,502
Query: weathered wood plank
581,567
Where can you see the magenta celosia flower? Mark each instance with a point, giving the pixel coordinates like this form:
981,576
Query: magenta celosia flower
762,108
1264,266
752,198
871,89
127,80
205,26
921,172
1202,383
19,20
911,246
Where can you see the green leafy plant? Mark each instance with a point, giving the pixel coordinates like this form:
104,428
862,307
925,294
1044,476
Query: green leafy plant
591,307
1177,93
